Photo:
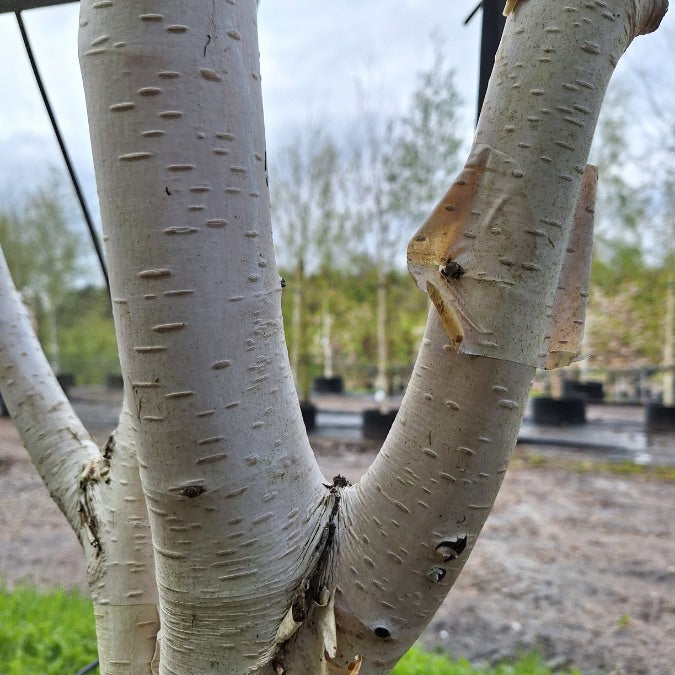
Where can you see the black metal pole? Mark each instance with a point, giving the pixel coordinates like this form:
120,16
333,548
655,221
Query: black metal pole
64,152
491,34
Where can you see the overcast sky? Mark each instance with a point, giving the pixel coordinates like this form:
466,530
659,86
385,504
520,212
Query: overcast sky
313,54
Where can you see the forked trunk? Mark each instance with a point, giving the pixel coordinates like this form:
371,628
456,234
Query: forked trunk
260,563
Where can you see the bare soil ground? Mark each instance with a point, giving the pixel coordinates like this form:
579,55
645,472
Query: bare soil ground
578,565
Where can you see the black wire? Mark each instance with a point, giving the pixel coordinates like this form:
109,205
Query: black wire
64,152
88,669
473,12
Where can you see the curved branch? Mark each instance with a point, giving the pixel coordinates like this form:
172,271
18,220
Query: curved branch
57,442
490,257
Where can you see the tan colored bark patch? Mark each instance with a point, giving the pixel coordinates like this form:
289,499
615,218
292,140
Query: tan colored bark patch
569,307
484,260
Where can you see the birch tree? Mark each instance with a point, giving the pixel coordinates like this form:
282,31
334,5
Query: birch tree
400,166
309,227
213,542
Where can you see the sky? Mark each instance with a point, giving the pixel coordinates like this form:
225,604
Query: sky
313,55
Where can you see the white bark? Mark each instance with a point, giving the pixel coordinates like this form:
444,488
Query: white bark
98,492
435,480
234,494
252,551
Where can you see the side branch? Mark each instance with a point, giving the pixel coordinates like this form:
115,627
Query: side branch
57,442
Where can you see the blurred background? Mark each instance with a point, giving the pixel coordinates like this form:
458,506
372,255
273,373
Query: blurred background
370,111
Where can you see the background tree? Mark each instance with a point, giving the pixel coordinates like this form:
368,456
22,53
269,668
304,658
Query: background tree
634,234
400,164
45,254
310,233
86,335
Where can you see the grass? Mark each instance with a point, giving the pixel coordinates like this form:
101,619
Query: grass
53,633
419,662
535,460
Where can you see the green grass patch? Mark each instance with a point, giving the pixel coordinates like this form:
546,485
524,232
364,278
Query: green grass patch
419,662
535,460
53,634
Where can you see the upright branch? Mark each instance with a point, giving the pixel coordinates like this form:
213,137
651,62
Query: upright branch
490,257
175,113
98,492
57,443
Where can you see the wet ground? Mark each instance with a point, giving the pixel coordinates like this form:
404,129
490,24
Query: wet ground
577,564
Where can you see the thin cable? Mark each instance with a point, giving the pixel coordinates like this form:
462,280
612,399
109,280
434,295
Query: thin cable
64,152
473,12
88,669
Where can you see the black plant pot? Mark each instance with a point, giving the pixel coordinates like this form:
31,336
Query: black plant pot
659,417
376,424
558,411
589,391
328,385
114,381
308,411
67,381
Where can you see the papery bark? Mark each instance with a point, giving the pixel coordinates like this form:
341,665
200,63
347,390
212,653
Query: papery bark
414,517
98,491
234,494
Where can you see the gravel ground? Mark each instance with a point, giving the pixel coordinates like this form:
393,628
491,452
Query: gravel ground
578,565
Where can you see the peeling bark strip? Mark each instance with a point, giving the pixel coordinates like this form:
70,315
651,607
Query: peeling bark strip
563,343
486,299
316,593
457,257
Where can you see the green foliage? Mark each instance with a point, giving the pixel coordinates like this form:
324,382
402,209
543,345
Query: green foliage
634,235
45,634
351,299
44,254
623,621
626,308
43,251
535,460
86,335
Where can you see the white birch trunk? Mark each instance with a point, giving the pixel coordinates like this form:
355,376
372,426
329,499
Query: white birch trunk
234,494
98,491
244,530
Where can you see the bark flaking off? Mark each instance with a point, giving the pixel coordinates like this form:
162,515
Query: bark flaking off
459,257
563,342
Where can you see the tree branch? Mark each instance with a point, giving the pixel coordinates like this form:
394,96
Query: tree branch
57,442
490,256
175,114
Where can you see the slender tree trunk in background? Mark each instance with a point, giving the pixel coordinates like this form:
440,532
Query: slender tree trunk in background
381,380
297,322
206,513
326,343
669,346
